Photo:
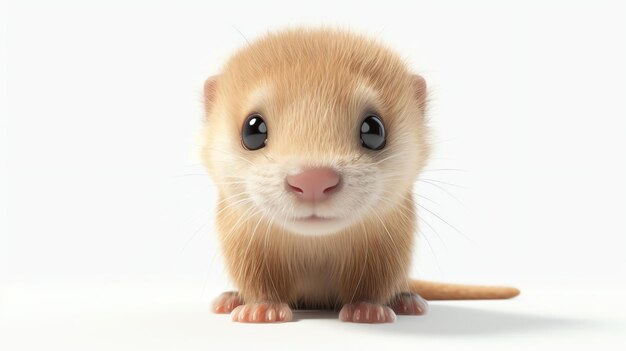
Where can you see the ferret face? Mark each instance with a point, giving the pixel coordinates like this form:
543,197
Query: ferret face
314,131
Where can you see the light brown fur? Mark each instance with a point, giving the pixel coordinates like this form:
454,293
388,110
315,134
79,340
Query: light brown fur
360,264
314,85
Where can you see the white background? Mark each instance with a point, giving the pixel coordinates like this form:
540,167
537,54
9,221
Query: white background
106,225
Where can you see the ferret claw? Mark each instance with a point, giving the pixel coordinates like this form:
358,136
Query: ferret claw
226,302
262,312
409,304
365,312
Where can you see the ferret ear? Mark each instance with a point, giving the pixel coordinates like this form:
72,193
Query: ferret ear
420,89
210,89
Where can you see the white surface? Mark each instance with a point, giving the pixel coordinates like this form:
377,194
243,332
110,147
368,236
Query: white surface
152,317
99,186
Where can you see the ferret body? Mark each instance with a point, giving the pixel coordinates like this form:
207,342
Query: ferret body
314,139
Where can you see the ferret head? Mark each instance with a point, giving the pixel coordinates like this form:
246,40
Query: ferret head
314,130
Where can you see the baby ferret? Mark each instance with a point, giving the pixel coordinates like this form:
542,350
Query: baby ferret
315,139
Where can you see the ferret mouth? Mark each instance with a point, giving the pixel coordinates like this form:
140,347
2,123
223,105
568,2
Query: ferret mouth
315,225
314,219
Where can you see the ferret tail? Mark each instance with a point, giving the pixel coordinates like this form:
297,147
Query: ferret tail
444,291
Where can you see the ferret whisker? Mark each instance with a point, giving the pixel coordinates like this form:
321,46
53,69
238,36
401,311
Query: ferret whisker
391,176
388,234
189,175
424,197
229,183
241,220
231,180
444,169
230,153
243,36
267,157
193,235
356,159
230,204
432,250
416,216
446,222
356,287
250,212
423,219
269,271
442,182
442,189
387,158
245,255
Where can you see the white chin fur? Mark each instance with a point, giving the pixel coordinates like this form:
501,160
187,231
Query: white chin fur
316,226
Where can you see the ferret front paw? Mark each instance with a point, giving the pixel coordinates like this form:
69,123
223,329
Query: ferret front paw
227,302
409,303
365,312
262,312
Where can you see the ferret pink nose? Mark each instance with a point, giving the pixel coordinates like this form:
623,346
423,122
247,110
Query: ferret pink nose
314,184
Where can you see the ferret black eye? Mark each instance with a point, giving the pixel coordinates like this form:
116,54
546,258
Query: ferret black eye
254,132
373,133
